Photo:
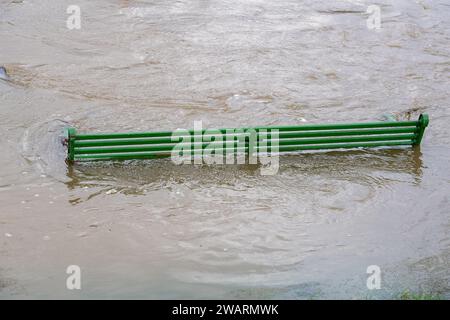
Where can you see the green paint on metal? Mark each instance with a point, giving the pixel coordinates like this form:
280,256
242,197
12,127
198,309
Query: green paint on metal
149,145
422,123
70,136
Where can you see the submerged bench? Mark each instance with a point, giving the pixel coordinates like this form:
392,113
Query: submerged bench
149,145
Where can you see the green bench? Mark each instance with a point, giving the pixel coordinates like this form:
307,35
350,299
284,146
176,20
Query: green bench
149,145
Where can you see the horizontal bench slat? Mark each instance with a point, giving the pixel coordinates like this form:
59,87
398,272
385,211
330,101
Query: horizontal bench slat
331,126
291,134
213,145
159,154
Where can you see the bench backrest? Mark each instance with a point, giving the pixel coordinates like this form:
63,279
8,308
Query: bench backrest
148,145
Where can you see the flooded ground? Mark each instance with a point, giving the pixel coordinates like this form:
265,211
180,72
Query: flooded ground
152,229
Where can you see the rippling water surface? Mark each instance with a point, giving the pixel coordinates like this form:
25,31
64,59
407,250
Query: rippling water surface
151,229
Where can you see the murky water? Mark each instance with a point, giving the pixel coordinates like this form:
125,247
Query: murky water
155,230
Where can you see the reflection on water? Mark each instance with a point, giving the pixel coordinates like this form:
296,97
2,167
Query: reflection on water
135,177
229,225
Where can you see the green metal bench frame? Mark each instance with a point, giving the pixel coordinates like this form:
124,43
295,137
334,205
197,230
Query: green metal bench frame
149,145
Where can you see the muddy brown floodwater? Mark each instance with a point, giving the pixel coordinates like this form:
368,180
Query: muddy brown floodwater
151,229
